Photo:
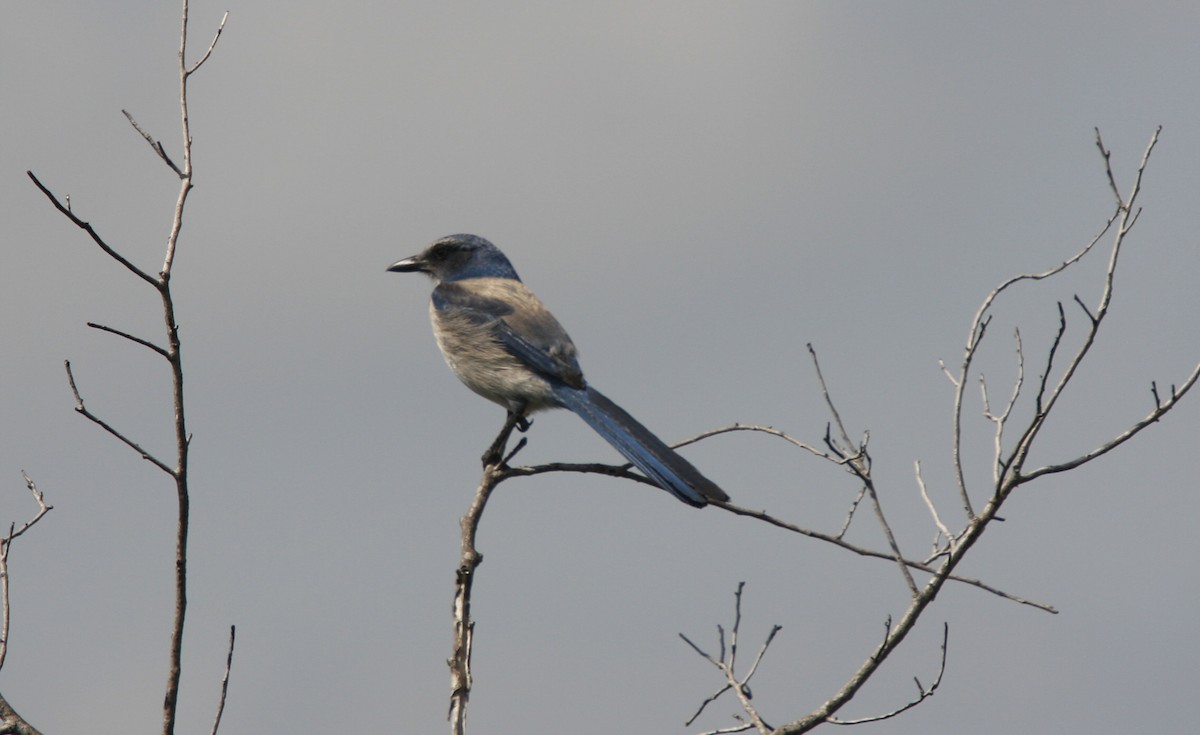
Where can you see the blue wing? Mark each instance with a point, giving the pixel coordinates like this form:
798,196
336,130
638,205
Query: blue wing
518,321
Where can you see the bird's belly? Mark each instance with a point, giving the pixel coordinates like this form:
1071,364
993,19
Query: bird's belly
484,366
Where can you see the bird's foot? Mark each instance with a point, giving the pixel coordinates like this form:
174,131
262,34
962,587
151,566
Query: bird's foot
494,456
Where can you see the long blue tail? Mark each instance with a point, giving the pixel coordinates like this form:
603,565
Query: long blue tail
646,451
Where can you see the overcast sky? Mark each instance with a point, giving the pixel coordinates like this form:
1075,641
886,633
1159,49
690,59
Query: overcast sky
697,190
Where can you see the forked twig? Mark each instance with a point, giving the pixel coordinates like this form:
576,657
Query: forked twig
923,692
5,546
727,664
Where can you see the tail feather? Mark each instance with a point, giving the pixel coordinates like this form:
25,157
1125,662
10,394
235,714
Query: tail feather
647,452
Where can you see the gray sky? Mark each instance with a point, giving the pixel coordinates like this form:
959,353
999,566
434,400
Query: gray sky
697,190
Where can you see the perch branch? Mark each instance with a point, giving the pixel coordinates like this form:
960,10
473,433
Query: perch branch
495,472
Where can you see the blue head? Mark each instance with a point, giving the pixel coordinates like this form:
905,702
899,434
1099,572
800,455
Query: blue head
458,257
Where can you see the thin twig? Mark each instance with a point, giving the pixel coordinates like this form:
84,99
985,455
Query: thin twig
82,409
891,539
5,545
837,419
860,465
225,681
937,520
1112,181
1159,411
623,472
975,336
1127,218
86,227
862,492
155,145
138,340
1001,420
771,430
1010,479
727,664
211,46
923,693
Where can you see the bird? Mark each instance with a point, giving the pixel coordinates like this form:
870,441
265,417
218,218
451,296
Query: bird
504,344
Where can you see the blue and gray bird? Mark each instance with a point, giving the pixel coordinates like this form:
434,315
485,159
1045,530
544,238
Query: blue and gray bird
504,344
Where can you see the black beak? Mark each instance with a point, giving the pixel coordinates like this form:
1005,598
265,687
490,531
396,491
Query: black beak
408,265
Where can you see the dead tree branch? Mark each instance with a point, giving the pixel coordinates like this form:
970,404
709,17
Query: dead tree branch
464,579
172,351
923,692
1007,474
726,663
82,410
10,721
224,682
5,547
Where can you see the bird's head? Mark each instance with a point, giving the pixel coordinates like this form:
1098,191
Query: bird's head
458,257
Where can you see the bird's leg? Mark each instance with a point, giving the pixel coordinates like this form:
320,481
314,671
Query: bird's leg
515,420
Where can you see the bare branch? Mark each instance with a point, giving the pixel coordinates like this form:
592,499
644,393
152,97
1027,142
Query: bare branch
624,472
764,429
138,340
459,662
942,529
155,145
211,46
727,664
946,371
837,419
891,539
171,352
1160,409
860,465
86,227
83,410
745,726
975,337
1112,181
922,692
43,509
1083,307
850,514
5,545
1127,218
1009,480
1001,420
13,724
224,681
1040,399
